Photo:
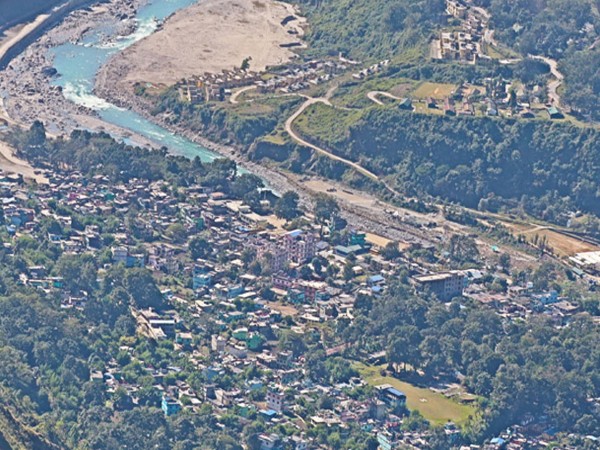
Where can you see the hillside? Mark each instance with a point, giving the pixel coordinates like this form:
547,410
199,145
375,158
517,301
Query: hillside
469,159
369,29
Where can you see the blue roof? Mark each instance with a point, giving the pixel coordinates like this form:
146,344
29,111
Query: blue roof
498,441
376,278
396,392
295,233
268,412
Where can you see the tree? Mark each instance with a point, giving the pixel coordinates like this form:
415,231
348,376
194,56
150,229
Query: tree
325,207
504,262
177,233
246,184
142,289
317,264
199,247
79,272
246,63
463,249
391,251
348,272
286,206
305,273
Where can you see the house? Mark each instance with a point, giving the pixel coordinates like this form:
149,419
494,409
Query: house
217,343
184,339
445,285
456,9
405,104
170,406
394,398
275,400
555,113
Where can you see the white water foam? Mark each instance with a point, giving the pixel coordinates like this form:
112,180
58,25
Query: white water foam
144,29
78,93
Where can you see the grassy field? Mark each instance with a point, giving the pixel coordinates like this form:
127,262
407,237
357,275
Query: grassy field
326,123
433,406
435,90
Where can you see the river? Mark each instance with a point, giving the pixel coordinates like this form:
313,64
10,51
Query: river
78,64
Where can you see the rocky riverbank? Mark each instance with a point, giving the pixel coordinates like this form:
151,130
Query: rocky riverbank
25,85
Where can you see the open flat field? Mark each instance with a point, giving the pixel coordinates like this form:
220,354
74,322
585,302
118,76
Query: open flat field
433,406
561,244
435,90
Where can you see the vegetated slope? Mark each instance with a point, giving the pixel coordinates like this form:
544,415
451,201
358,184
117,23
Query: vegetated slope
370,28
469,159
549,27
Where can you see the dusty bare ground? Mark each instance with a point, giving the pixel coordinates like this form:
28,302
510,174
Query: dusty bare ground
11,164
561,244
210,36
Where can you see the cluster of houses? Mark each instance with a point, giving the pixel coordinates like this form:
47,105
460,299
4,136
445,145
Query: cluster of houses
497,97
296,77
371,70
215,86
292,77
232,307
463,44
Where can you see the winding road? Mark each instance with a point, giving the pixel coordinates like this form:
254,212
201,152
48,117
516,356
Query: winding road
236,94
374,94
289,128
553,86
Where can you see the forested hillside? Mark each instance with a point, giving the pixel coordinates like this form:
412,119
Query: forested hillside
546,165
367,29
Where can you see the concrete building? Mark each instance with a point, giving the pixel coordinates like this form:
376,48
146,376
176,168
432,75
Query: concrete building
299,245
275,400
445,285
456,9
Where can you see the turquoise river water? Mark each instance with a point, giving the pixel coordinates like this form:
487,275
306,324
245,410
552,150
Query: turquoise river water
78,64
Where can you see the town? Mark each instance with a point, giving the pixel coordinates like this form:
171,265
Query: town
244,285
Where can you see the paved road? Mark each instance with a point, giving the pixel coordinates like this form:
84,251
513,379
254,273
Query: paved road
554,84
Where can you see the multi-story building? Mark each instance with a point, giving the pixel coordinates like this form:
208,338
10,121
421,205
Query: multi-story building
296,246
275,400
299,245
456,9
445,285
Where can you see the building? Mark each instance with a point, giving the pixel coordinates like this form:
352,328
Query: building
299,245
202,277
394,398
555,113
119,255
456,9
154,325
170,406
445,285
275,400
217,343
388,440
588,261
